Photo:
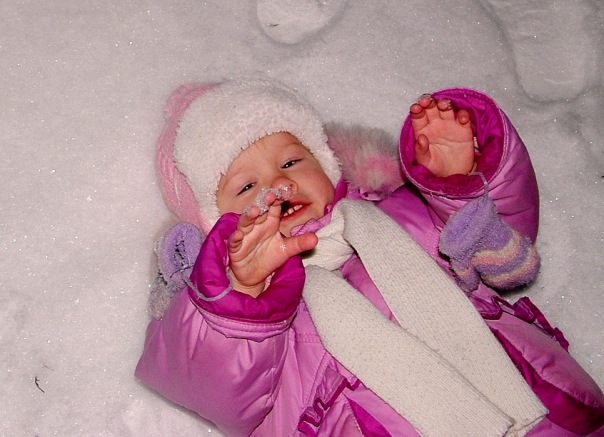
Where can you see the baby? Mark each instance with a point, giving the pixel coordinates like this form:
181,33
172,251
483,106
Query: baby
315,305
260,244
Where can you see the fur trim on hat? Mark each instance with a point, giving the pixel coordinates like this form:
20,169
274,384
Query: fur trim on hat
228,118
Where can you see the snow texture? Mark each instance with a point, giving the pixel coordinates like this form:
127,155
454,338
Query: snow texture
83,88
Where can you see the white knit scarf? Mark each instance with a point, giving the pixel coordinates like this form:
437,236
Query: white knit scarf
440,367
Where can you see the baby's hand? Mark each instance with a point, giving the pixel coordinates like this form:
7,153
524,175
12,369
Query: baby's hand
444,142
257,248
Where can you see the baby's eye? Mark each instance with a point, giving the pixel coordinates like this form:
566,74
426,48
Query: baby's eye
246,188
290,163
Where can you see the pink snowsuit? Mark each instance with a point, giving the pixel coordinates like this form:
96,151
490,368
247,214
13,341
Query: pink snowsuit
258,367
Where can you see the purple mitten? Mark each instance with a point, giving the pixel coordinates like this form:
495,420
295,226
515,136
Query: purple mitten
176,252
482,246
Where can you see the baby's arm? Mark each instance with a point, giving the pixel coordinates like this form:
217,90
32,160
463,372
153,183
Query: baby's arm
501,168
226,345
257,248
501,158
444,142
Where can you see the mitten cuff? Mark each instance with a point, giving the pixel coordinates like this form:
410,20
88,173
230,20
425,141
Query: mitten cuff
466,229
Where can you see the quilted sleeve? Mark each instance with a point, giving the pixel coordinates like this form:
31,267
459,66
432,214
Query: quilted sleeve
222,359
503,160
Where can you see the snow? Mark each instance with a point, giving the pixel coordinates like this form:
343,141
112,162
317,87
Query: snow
83,88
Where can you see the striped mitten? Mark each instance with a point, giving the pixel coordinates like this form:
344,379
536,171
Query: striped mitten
481,246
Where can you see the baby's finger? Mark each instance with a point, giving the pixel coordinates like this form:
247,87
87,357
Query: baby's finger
263,201
235,240
425,100
432,112
463,117
418,117
248,217
274,196
250,220
293,246
270,198
446,109
422,150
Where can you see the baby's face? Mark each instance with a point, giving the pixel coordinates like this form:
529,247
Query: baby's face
276,161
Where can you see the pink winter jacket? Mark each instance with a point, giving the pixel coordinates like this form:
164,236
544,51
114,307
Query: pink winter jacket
257,366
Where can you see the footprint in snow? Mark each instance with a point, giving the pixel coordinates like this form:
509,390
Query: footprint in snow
292,21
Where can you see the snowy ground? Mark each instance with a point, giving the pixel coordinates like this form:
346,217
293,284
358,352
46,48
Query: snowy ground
82,91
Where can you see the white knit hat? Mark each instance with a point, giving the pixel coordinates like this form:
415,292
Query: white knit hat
228,118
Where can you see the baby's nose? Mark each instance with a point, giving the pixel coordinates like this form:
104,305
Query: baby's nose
282,182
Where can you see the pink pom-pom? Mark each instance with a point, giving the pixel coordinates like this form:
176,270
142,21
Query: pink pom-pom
368,157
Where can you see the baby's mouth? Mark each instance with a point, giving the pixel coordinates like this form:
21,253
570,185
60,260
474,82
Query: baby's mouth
288,209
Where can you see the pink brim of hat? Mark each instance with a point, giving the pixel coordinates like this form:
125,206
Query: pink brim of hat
176,191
